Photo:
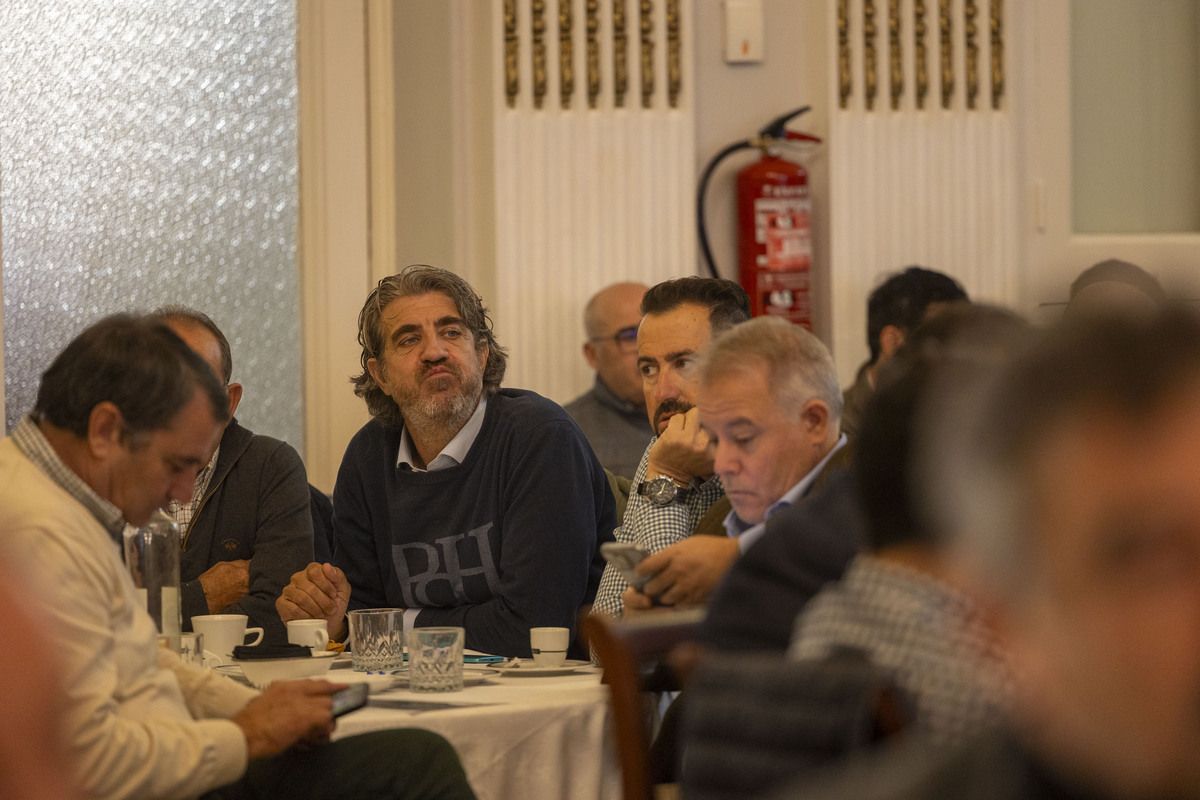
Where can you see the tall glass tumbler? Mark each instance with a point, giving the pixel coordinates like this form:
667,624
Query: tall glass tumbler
376,639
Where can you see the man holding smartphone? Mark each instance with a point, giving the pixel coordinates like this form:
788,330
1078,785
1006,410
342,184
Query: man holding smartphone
675,493
125,417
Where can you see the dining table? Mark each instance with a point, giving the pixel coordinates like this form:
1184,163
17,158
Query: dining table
520,734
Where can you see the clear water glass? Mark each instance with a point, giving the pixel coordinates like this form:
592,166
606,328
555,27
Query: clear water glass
376,639
435,659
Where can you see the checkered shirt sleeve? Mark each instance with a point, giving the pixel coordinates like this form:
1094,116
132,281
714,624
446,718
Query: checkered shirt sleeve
652,528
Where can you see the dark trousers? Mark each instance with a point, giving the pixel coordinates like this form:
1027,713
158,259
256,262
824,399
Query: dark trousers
406,764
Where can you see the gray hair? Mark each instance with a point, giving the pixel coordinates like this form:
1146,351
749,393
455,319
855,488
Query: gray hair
414,280
799,366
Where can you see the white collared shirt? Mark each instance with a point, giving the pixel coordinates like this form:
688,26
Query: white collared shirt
748,534
453,453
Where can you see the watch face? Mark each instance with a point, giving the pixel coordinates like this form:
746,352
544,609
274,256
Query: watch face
661,491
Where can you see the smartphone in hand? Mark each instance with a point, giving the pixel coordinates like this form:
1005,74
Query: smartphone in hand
625,556
351,698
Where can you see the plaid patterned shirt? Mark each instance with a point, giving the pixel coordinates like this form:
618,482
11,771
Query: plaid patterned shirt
30,441
653,528
921,629
183,513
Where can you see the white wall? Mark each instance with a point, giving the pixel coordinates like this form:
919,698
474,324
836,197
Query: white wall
734,100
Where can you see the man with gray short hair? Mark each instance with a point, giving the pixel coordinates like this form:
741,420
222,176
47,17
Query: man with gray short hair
769,402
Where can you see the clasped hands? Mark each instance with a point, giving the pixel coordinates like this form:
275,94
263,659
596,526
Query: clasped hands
319,591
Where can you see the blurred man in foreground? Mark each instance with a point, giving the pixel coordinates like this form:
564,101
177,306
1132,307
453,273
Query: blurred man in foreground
899,602
1073,492
125,417
612,414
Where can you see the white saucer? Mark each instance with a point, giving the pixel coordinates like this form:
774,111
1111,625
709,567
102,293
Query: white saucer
528,669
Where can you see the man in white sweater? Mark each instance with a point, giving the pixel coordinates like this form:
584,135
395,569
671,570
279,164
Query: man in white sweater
125,417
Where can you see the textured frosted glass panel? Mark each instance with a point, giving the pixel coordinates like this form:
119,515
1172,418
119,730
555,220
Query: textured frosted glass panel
148,156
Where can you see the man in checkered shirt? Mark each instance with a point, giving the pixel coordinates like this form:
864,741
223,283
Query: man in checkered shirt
674,492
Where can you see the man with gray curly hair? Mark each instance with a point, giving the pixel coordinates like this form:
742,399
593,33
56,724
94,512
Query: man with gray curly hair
463,503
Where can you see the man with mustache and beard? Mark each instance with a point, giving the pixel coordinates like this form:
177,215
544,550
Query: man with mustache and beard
463,503
675,493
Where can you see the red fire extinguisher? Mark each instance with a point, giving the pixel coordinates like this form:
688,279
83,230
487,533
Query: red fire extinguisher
774,241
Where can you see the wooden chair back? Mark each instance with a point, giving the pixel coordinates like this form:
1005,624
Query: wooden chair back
632,652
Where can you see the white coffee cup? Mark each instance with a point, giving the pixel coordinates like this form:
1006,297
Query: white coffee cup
223,632
549,645
311,633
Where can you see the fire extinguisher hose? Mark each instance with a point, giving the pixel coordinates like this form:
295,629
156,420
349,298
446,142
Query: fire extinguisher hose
701,226
772,130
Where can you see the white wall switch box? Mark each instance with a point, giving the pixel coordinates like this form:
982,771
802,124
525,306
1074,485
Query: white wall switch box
744,32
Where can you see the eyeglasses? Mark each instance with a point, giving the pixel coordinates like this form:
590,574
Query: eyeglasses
625,339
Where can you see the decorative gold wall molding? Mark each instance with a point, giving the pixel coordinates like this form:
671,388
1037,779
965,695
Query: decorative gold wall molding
576,52
845,82
922,56
970,12
947,53
647,49
870,76
895,55
566,53
512,83
538,13
593,52
997,28
674,54
620,53
955,76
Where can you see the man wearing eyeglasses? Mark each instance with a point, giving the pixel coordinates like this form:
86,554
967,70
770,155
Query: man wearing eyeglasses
612,414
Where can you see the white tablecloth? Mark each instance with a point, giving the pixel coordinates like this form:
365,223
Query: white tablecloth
539,738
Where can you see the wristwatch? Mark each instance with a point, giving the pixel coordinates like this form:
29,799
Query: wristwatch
662,491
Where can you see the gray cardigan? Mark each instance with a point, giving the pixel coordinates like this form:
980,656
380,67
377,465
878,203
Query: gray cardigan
257,508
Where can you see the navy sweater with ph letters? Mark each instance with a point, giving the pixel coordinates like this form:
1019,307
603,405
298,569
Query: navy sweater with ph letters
503,542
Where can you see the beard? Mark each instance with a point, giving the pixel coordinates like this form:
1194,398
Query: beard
443,410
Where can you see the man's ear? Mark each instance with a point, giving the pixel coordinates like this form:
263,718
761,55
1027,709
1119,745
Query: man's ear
589,352
235,397
375,370
106,428
890,340
814,416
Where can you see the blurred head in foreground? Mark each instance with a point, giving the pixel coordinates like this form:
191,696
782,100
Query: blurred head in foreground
1070,484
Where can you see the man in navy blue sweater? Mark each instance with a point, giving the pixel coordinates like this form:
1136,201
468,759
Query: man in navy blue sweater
463,503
